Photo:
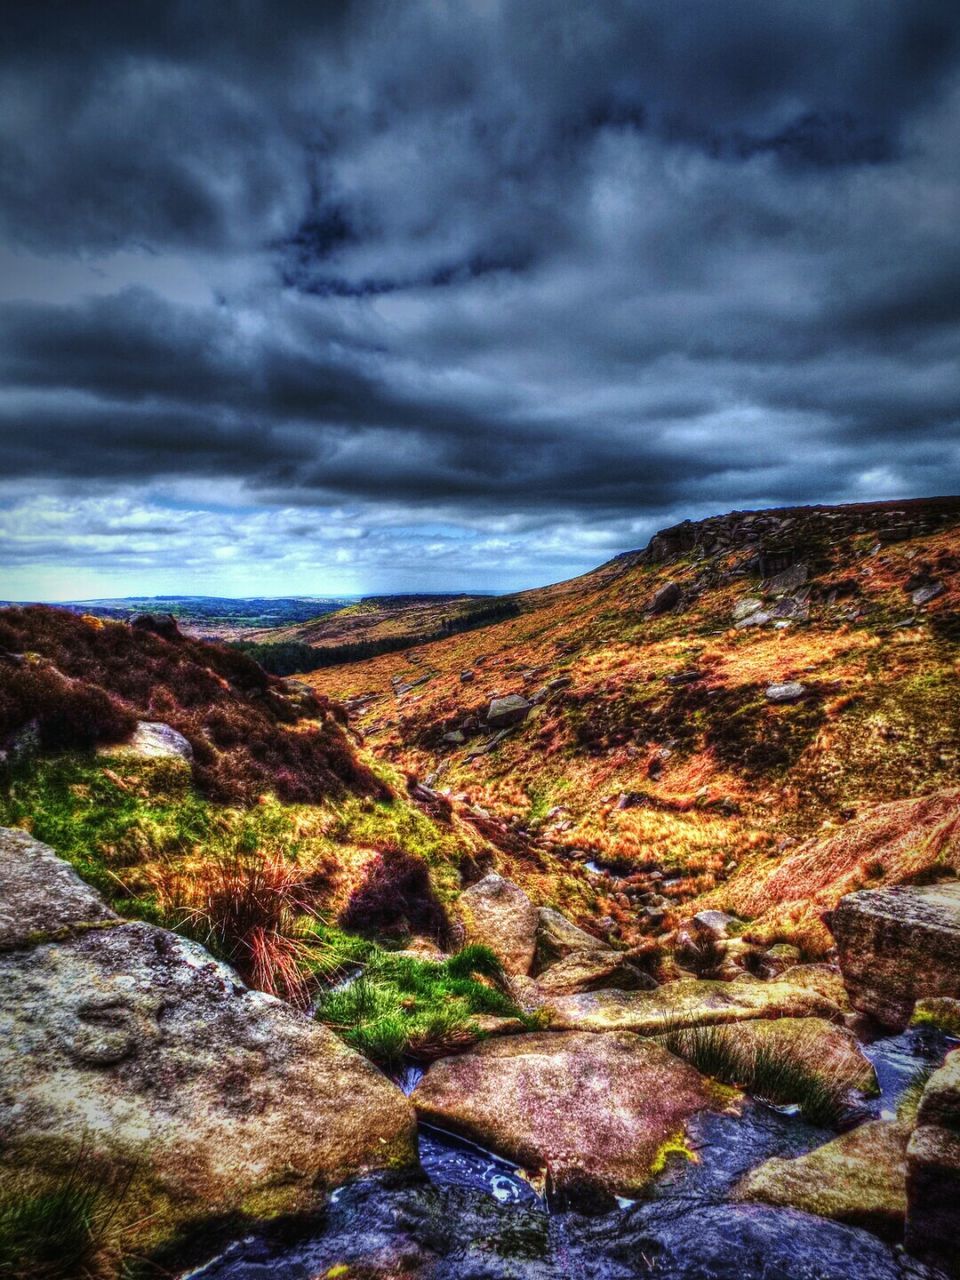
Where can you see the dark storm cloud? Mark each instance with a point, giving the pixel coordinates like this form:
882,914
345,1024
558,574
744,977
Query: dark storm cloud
515,261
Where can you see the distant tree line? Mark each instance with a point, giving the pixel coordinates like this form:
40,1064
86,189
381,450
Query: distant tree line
291,657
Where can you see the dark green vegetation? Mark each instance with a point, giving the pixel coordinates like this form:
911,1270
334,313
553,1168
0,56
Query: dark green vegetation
403,1007
290,657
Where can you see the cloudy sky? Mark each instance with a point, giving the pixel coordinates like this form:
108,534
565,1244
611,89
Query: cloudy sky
431,294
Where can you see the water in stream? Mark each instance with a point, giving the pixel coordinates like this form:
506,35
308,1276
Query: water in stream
474,1217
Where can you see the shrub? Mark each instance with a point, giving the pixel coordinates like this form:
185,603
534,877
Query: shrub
396,899
91,682
254,912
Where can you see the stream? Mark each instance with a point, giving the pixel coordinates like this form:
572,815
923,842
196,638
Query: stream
473,1216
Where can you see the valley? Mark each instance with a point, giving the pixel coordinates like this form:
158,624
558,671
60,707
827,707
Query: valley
610,929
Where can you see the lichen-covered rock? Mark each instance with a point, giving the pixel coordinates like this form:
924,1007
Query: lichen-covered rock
933,1169
823,978
41,896
594,1111
687,1003
134,1047
937,1011
859,1178
558,937
897,946
590,971
498,913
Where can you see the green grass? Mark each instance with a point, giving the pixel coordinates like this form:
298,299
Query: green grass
909,1103
774,1073
62,1232
403,1007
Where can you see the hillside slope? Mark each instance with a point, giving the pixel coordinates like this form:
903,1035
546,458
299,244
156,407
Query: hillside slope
656,739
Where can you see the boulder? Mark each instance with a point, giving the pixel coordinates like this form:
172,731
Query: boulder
940,1012
687,1003
758,619
779,958
791,691
558,937
153,741
668,597
859,1178
788,579
712,924
823,978
497,913
592,970
933,1170
41,896
745,609
923,595
594,1111
129,1049
509,710
898,945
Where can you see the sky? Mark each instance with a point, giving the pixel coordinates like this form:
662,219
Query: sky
446,294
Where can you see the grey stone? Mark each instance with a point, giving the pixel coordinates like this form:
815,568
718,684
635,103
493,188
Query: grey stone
41,896
898,945
509,710
791,691
153,741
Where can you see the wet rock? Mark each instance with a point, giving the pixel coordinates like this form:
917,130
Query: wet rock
898,945
558,937
41,896
497,913
133,1048
791,691
509,710
933,1169
153,741
859,1178
593,1110
687,1003
591,971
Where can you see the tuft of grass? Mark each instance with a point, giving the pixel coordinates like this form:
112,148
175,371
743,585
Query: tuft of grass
402,1007
775,1073
909,1102
64,1231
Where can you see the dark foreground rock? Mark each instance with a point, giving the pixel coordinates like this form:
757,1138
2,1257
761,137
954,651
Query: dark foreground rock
933,1169
427,1233
897,946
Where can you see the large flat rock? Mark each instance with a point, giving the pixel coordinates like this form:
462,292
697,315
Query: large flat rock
41,896
859,1178
594,1111
897,946
132,1046
687,1003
